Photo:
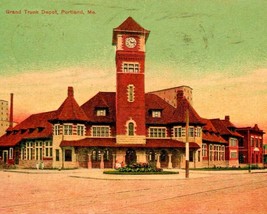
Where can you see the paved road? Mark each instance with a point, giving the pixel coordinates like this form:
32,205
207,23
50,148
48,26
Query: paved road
81,192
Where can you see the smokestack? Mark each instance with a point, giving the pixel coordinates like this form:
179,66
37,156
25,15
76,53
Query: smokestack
11,111
70,91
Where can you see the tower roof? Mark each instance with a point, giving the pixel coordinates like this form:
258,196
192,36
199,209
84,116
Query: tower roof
70,110
129,26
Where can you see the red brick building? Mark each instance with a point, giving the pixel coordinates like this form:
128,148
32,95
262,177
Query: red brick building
251,148
125,126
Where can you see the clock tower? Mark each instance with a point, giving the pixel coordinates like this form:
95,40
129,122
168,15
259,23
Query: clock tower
130,39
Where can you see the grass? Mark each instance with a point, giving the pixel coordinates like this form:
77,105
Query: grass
113,172
228,168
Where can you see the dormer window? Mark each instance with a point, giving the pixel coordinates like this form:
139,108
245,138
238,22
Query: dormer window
101,112
156,113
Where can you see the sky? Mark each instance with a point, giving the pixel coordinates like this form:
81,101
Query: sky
217,47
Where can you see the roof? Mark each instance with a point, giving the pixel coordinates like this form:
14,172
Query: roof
111,142
179,114
210,134
101,100
254,129
35,126
225,127
154,102
129,26
70,110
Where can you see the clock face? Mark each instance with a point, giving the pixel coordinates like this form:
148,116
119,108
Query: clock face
130,42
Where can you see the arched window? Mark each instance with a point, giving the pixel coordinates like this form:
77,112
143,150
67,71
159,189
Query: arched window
131,129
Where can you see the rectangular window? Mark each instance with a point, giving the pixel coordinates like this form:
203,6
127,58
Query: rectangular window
56,129
67,129
100,131
191,131
68,155
178,132
57,154
131,67
252,141
233,142
80,130
10,153
101,112
198,156
156,113
233,154
157,132
204,150
48,149
198,132
211,152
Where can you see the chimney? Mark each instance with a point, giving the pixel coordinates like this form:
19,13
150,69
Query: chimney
227,118
179,97
70,92
11,111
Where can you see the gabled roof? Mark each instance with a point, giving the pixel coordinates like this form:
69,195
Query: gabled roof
34,127
100,100
70,110
180,113
129,26
154,102
225,127
255,129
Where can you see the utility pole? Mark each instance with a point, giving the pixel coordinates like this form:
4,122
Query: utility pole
187,145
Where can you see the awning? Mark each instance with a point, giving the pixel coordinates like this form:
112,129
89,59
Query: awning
111,142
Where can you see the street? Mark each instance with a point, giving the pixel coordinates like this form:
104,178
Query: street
76,192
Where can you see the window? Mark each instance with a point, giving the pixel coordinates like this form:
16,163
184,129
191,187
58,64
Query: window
211,152
252,141
204,150
223,153
28,151
191,131
131,129
198,156
80,130
178,132
39,151
56,129
156,113
68,155
131,67
130,92
100,131
233,142
10,153
48,149
157,132
233,154
101,112
198,132
67,129
57,154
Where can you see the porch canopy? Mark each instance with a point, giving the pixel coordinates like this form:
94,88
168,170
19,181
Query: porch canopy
111,142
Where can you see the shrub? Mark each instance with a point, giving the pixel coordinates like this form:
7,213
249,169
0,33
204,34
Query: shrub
140,167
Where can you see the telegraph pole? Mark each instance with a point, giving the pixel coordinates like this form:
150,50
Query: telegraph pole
187,145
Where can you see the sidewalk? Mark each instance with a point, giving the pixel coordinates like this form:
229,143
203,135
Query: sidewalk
98,174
